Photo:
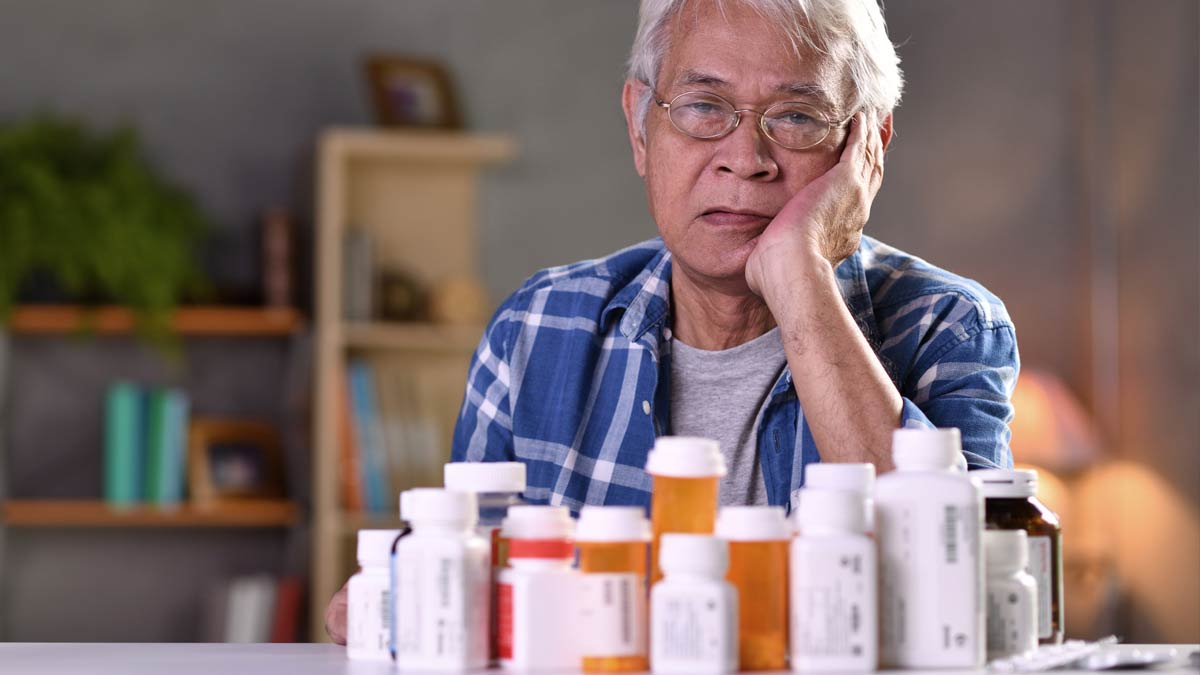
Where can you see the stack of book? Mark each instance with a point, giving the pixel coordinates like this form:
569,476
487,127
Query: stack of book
145,445
255,608
391,436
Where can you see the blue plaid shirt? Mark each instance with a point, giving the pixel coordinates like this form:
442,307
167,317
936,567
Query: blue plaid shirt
571,375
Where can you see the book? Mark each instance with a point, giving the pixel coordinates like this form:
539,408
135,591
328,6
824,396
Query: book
392,420
287,619
370,442
157,446
349,462
358,276
123,453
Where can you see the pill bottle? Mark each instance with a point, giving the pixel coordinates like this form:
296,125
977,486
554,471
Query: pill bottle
853,476
687,474
1011,504
497,486
693,610
538,592
1011,595
834,621
758,538
368,604
442,572
613,543
928,523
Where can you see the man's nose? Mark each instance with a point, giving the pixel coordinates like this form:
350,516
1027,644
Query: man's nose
746,151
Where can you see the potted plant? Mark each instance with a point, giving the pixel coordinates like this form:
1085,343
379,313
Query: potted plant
84,214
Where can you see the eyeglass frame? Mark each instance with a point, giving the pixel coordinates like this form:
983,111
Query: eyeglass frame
762,118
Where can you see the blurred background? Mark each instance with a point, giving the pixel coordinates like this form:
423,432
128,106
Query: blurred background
186,450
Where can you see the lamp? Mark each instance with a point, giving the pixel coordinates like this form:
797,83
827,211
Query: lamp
1051,430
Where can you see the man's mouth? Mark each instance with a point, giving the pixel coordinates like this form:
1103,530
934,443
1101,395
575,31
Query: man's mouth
730,217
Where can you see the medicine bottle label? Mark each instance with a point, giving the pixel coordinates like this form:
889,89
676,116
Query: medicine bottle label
1041,570
431,616
504,620
693,628
1008,614
613,614
930,586
830,604
369,614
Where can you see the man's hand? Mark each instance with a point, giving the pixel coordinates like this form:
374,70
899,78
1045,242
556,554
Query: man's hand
825,219
335,616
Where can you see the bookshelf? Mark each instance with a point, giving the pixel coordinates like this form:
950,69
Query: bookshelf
77,351
414,193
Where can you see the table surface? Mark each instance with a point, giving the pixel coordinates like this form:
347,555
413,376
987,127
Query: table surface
48,658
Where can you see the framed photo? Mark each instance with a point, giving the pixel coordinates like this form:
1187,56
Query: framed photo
410,92
234,459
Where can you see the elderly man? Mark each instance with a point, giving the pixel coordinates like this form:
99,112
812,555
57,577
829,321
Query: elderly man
762,317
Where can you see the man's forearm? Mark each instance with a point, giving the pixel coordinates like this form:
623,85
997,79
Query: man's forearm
849,401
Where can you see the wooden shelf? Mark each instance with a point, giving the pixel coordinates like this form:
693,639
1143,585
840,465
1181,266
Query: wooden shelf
92,513
413,336
418,145
353,522
210,320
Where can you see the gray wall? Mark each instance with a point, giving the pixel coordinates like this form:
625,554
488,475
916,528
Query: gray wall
1047,149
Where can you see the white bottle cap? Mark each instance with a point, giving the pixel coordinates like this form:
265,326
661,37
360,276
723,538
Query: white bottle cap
926,448
484,476
1004,483
599,524
752,523
685,457
693,554
375,546
537,522
440,507
857,477
822,511
1006,551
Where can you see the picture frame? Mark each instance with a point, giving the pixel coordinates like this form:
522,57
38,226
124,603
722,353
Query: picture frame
412,92
231,460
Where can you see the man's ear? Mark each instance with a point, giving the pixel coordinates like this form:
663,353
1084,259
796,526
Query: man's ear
630,95
885,131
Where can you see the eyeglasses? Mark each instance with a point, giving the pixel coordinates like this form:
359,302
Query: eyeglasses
791,124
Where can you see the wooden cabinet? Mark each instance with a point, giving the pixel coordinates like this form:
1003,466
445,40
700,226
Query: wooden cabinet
414,193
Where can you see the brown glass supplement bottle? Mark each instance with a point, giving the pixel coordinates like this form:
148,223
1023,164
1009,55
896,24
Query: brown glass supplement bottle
1011,504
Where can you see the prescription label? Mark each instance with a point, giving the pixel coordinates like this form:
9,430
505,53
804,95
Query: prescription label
613,614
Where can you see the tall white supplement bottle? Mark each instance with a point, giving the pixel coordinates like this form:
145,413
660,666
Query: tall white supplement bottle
368,599
1012,611
929,522
693,610
834,625
441,594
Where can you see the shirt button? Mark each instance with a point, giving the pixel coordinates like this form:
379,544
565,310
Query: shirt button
646,407
667,333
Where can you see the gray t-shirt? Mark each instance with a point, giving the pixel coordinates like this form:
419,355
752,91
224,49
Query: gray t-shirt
721,395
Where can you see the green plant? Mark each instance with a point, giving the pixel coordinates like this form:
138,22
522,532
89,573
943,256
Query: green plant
87,211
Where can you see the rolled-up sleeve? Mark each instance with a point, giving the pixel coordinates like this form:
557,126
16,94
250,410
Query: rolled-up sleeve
968,383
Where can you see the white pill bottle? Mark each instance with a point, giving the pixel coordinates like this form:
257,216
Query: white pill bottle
929,524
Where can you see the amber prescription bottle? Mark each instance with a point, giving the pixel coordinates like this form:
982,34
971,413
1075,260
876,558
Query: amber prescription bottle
1011,504
758,538
687,473
613,546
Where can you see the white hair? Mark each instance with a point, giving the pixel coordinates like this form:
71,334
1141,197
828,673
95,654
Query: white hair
851,33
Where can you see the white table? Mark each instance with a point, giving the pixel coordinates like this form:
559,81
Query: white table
267,659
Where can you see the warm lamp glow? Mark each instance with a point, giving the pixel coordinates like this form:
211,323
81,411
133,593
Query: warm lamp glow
1051,429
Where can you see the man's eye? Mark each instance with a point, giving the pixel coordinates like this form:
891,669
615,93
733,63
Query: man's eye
797,119
702,108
